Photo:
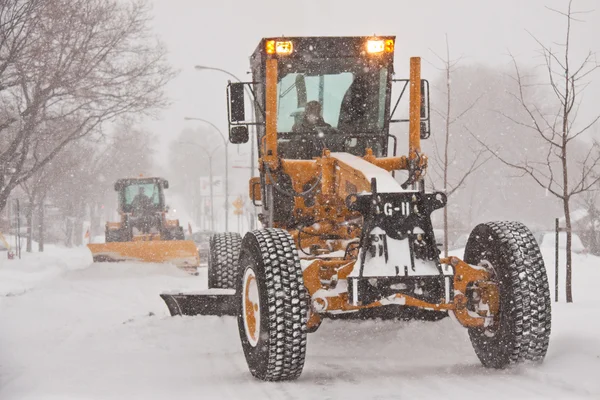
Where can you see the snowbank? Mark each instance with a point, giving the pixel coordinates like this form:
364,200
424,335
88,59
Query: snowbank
18,276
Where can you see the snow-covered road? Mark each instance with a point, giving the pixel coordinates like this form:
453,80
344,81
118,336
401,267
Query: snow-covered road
72,330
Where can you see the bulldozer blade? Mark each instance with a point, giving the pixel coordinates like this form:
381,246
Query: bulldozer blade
182,253
208,302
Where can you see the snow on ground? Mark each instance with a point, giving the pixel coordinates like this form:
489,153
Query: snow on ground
18,276
76,330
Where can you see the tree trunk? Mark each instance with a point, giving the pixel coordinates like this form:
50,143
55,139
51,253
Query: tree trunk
29,218
592,235
78,226
594,242
94,220
566,198
565,135
68,232
568,289
41,227
4,193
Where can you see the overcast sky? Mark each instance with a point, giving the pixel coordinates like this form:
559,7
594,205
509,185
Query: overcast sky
223,33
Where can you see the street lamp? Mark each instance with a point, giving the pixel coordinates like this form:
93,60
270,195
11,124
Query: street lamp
251,98
225,142
210,174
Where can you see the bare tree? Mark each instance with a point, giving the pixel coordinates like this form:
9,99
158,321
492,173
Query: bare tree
71,67
452,178
556,126
38,186
83,176
35,189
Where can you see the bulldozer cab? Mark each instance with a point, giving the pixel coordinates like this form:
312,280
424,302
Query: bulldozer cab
143,194
347,79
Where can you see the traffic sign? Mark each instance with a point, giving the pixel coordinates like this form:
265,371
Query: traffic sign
238,205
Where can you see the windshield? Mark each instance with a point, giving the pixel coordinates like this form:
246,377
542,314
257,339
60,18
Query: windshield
143,193
348,97
352,94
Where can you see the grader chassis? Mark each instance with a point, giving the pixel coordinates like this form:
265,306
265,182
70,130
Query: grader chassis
341,235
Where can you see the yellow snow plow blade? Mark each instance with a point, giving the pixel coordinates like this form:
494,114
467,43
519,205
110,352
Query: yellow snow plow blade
182,253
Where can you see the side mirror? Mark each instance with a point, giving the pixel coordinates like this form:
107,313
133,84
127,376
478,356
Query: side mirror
236,102
117,187
166,184
425,131
425,128
238,134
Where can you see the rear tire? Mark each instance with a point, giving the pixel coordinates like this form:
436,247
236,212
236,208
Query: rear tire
112,236
177,234
522,330
223,260
272,305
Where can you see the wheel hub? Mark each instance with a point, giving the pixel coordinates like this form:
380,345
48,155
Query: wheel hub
251,307
486,298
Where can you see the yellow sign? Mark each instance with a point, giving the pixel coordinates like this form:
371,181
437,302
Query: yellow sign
238,204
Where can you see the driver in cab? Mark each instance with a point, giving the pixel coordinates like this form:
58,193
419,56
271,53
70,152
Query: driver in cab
143,218
312,118
141,202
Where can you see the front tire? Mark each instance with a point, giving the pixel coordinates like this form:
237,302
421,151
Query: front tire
272,306
178,234
521,331
112,236
223,255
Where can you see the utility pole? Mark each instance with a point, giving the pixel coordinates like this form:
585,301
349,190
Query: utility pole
209,155
212,197
253,132
225,143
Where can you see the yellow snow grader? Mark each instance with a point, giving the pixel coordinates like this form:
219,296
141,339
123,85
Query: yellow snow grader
144,232
347,222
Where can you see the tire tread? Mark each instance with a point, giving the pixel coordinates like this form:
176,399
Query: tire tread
530,305
223,264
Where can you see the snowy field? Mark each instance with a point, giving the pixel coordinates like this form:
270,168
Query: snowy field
73,330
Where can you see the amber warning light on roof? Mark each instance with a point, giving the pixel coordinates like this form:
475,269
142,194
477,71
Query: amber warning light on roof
279,47
380,46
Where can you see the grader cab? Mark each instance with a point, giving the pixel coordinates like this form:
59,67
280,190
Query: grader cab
343,232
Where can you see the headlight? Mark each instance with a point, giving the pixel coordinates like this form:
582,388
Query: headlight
380,46
279,47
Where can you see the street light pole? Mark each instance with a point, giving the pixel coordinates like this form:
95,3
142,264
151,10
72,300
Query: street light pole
210,177
252,115
212,197
225,142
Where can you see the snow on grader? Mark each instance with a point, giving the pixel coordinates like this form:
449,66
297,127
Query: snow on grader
144,232
341,235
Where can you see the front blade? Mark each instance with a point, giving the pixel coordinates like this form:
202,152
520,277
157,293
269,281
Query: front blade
182,253
209,302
